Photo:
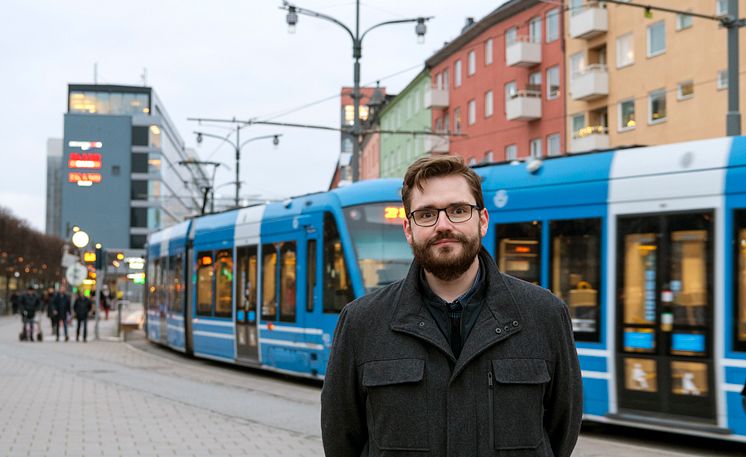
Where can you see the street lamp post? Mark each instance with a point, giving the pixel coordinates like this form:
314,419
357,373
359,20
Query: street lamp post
357,53
237,146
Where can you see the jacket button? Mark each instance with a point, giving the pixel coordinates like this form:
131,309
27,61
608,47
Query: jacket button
507,327
515,323
422,323
498,330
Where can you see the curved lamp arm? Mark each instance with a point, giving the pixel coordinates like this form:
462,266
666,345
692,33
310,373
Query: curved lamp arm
216,137
289,7
277,135
398,21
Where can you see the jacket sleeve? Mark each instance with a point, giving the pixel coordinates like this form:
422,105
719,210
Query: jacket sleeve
343,419
564,399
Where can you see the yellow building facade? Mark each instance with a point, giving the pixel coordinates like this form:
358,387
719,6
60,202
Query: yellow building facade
637,78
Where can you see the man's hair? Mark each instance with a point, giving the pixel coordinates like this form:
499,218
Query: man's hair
428,167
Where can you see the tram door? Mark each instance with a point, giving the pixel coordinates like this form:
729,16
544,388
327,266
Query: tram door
246,300
665,313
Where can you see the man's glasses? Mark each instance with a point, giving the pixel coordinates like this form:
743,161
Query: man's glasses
457,214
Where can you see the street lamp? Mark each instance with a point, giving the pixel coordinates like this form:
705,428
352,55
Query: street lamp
357,52
80,238
237,146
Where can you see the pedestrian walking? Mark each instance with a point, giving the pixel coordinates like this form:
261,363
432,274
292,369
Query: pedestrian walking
47,306
82,307
457,358
29,304
105,303
60,304
14,302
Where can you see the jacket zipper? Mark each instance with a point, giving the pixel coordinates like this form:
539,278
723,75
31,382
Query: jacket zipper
491,384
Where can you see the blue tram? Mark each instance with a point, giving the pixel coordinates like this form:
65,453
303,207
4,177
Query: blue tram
647,246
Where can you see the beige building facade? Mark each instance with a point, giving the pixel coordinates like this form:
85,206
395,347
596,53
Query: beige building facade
637,78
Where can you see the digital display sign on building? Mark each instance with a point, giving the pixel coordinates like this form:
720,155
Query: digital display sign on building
84,161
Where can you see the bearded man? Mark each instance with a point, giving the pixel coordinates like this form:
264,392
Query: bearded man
457,359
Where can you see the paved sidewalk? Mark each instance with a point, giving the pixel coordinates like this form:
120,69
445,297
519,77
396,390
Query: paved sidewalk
104,398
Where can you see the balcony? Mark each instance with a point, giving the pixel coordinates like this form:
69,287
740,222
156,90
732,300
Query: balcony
437,144
589,22
523,53
589,84
436,98
524,105
591,138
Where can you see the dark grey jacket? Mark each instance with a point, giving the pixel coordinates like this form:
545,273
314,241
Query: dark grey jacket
393,387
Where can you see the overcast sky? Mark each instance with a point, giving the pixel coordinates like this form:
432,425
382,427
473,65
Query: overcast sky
221,59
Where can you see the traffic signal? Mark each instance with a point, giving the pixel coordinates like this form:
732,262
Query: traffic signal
99,257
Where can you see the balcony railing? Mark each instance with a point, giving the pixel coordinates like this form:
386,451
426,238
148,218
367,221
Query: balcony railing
523,105
593,82
590,138
523,52
436,97
589,21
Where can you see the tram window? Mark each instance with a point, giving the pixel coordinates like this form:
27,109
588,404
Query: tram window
204,283
247,278
689,378
223,284
739,274
640,375
287,281
337,283
178,284
152,284
639,278
689,277
269,282
311,271
519,250
161,291
576,272
168,283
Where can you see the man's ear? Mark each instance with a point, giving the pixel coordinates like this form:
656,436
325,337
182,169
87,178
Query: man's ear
484,221
407,226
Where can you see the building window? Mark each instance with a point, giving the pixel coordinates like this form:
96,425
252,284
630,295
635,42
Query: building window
472,162
553,25
446,79
722,82
488,157
488,52
116,170
683,21
140,136
577,64
534,83
439,81
534,30
626,115
576,7
511,35
553,145
472,62
488,104
685,90
457,73
656,39
657,106
578,123
472,115
553,82
625,51
139,217
511,89
137,241
511,152
721,7
457,120
535,148
139,189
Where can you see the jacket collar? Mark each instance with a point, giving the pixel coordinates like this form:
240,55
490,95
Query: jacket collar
499,317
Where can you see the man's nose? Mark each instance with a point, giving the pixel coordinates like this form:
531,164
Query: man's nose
443,223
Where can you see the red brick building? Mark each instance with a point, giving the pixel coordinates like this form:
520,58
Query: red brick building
499,86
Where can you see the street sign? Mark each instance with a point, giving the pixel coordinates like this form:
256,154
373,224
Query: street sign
75,274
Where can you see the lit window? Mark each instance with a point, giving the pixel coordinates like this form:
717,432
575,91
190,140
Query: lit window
626,115
472,114
488,52
553,144
683,21
511,152
488,103
685,90
457,73
553,82
722,82
472,63
553,25
656,39
657,106
625,51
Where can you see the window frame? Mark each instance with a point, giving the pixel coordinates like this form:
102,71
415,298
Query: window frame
511,149
471,63
550,95
619,52
471,112
739,223
535,31
722,80
681,24
534,145
651,94
489,51
620,115
550,137
457,73
199,308
552,16
489,103
217,257
679,95
649,31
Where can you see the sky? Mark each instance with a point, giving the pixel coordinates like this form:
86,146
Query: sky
217,59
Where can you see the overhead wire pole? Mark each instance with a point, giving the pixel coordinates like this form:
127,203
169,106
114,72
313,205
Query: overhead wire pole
731,22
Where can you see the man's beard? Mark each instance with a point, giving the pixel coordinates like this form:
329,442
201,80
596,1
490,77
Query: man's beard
440,261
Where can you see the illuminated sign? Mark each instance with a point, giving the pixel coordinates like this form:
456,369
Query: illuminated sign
89,257
84,179
205,260
84,160
394,212
85,145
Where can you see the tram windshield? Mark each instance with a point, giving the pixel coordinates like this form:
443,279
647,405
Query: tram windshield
382,251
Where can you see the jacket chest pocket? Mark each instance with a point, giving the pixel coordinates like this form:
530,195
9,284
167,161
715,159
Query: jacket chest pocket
516,407
397,403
